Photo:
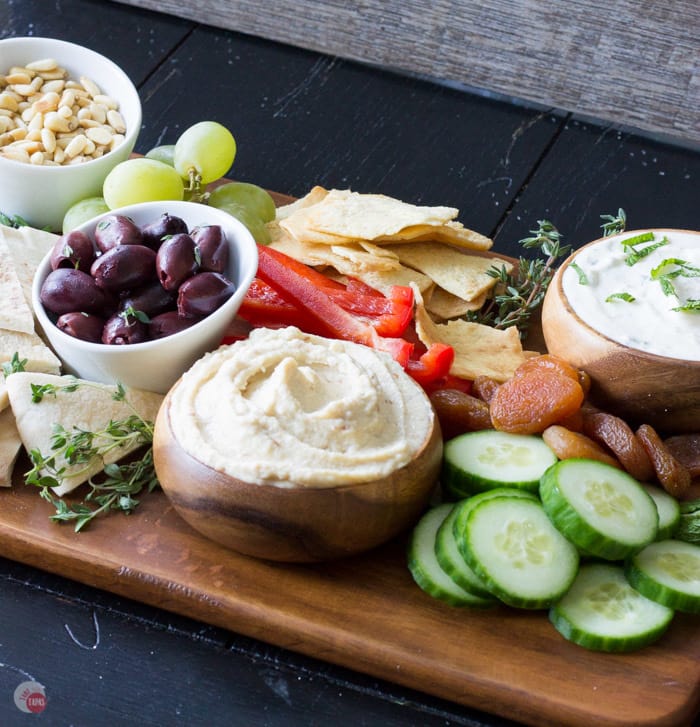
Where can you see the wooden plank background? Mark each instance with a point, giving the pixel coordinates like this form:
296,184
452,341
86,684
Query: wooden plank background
630,63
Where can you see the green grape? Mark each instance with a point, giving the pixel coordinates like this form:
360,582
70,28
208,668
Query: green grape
164,153
255,199
83,211
205,150
254,224
141,180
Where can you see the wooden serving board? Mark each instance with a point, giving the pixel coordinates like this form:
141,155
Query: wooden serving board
364,613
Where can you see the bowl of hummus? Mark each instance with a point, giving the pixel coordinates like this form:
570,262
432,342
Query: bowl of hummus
626,309
298,448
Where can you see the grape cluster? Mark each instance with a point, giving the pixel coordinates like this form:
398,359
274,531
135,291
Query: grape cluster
134,284
200,157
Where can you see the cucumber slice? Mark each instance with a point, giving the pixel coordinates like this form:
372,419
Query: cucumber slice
602,612
668,572
451,560
669,510
426,570
601,509
479,461
511,544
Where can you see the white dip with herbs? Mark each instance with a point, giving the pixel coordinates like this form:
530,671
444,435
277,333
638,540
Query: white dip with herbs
641,290
287,407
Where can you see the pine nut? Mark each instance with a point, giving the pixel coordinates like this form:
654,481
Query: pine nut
43,64
116,121
100,135
76,146
48,139
90,86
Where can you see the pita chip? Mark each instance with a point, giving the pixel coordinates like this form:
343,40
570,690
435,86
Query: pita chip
479,350
90,407
464,275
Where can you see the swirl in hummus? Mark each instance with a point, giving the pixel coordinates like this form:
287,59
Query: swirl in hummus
286,407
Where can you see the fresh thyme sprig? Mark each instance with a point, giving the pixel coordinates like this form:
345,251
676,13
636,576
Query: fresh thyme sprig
118,483
520,292
612,224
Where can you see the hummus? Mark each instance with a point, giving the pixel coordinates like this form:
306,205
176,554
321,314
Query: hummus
285,407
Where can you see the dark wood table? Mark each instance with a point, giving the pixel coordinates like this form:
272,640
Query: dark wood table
301,119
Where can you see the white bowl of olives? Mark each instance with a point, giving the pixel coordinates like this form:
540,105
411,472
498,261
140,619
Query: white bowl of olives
136,295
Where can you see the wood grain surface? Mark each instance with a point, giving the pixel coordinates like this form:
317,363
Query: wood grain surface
623,61
365,613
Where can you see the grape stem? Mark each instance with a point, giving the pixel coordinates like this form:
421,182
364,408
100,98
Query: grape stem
193,190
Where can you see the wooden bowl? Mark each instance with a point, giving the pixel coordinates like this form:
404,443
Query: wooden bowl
639,386
296,524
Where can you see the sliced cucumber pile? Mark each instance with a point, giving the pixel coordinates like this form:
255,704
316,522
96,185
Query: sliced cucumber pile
603,612
479,461
515,537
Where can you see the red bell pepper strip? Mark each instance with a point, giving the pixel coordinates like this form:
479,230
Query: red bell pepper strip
305,288
433,365
264,306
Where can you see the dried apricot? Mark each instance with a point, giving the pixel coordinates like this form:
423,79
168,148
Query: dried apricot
484,387
529,403
619,438
686,449
568,445
672,475
547,362
458,412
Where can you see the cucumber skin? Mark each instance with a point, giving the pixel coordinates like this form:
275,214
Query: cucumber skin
585,537
660,592
608,644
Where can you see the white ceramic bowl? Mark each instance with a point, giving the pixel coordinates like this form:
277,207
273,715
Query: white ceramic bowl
43,194
155,365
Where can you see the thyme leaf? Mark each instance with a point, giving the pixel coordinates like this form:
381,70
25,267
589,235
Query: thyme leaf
612,224
520,292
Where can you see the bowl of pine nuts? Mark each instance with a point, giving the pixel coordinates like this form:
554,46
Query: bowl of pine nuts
68,115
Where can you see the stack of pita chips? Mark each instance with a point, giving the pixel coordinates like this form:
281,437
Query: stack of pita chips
383,241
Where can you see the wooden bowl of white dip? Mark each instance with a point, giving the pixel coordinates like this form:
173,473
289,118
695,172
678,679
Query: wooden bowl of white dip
296,448
623,308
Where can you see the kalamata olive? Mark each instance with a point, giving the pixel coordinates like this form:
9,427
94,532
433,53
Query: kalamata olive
202,294
212,248
73,250
66,290
168,323
124,267
151,299
165,226
176,261
116,230
86,326
122,329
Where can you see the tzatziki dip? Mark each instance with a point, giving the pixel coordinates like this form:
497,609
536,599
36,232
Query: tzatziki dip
641,289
